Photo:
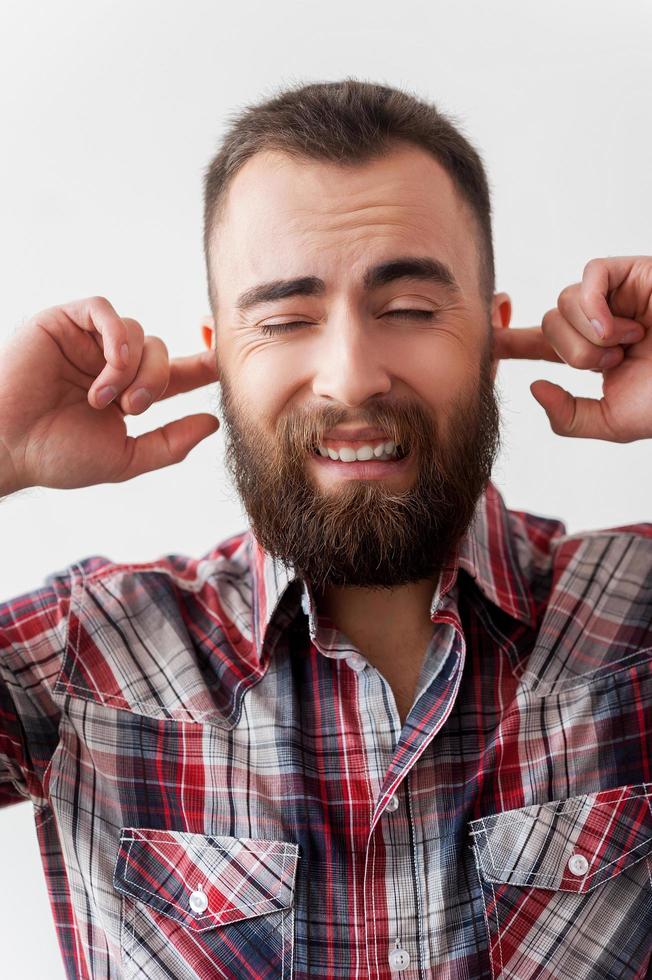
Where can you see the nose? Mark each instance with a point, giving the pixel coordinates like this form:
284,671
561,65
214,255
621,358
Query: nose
350,365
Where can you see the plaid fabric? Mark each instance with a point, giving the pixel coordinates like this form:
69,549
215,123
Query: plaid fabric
222,786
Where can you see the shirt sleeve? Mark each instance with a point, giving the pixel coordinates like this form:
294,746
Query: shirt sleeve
33,630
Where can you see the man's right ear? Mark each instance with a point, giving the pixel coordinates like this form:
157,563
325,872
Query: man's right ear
208,331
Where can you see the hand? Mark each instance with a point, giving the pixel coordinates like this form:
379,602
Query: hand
617,292
54,431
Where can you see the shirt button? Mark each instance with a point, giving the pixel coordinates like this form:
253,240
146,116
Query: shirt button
198,901
392,803
356,662
399,959
578,865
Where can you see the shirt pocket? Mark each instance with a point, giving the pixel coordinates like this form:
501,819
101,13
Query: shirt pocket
567,886
197,906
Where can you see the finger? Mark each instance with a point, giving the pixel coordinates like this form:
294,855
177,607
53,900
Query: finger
95,313
193,371
523,342
166,445
573,347
118,379
570,416
151,380
600,277
572,306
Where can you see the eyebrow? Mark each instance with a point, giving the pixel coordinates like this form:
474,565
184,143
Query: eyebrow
405,267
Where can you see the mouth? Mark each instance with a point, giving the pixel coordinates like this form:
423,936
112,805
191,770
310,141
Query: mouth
359,459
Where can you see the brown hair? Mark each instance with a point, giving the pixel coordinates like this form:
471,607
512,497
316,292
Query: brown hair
349,122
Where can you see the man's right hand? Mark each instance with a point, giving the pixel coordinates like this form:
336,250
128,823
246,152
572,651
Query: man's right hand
54,430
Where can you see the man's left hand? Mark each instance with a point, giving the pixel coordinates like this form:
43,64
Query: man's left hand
615,292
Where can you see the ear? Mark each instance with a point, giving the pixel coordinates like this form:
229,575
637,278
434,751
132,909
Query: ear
501,315
208,331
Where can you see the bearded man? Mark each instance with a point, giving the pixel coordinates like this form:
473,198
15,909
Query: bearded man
393,727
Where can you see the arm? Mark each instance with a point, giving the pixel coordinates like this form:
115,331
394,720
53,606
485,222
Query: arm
33,628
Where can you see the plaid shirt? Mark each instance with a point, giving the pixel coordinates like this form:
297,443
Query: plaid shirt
222,786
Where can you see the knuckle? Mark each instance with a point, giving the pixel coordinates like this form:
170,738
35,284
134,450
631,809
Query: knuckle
592,264
548,322
134,325
99,301
566,295
156,342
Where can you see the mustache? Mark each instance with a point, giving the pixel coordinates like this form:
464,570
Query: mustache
406,423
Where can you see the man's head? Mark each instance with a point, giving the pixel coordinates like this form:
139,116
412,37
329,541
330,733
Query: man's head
341,223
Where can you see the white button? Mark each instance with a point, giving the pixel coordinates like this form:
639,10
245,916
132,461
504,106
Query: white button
356,662
392,803
399,959
198,901
578,865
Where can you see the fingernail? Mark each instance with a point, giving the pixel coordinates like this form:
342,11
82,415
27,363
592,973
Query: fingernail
140,400
631,337
611,358
124,354
599,329
106,395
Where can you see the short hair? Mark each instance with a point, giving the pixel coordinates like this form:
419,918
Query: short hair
349,122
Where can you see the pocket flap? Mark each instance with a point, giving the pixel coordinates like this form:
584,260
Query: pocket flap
240,876
569,845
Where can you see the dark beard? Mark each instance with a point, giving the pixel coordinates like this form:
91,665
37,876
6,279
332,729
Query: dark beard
362,533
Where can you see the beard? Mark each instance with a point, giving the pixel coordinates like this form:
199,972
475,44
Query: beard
363,533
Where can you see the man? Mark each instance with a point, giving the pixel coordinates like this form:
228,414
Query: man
393,728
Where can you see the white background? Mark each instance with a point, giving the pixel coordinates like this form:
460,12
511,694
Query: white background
111,111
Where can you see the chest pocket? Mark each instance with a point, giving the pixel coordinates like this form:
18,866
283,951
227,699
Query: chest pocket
195,905
567,886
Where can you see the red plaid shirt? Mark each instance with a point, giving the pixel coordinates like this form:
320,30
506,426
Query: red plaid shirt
222,786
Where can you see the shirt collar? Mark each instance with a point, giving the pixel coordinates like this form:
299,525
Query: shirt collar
488,552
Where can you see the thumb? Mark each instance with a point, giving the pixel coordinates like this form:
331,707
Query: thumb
168,444
568,415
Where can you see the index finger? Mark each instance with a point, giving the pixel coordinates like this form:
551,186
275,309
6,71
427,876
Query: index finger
193,371
523,342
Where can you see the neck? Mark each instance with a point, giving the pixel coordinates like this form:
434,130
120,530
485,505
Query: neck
378,620
392,628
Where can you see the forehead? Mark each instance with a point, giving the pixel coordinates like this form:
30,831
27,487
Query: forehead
288,216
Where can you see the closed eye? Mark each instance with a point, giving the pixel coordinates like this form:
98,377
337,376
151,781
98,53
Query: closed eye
276,328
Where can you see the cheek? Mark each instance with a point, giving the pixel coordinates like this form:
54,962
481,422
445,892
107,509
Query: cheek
434,368
267,379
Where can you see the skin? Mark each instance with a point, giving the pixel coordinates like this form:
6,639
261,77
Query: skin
286,218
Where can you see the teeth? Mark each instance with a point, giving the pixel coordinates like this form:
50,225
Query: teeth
382,452
348,455
364,452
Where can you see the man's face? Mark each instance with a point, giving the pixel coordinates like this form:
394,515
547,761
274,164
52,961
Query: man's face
405,357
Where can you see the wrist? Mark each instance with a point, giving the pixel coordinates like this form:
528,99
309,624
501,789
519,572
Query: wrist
9,482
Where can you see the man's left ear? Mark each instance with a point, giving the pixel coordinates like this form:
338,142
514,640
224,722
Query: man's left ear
501,315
